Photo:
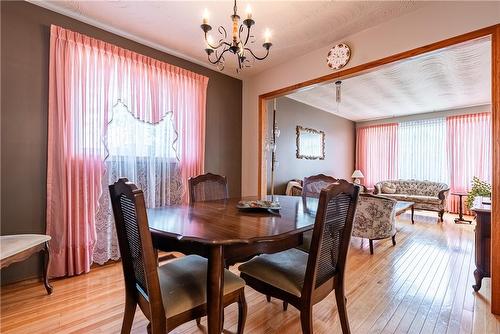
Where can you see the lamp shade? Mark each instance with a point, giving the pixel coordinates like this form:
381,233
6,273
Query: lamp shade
357,174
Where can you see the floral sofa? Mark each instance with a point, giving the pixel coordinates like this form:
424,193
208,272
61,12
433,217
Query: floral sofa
426,195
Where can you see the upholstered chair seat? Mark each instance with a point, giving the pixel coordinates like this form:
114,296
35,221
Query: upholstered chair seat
284,270
183,284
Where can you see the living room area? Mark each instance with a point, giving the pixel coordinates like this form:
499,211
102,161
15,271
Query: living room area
416,130
415,134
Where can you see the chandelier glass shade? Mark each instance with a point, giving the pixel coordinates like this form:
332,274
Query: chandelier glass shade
237,44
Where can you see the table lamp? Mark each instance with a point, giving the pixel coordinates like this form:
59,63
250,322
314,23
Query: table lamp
357,175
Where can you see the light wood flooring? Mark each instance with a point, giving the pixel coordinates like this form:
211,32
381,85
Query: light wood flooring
422,285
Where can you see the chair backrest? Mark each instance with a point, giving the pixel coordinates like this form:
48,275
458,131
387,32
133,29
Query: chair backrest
136,246
331,234
312,185
207,187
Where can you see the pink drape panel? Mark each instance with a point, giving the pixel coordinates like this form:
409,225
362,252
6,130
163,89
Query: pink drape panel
86,78
78,83
376,152
468,141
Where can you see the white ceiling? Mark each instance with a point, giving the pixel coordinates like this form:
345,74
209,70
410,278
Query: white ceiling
455,77
174,26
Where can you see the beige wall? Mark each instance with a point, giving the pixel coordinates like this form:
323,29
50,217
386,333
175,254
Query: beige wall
339,143
435,22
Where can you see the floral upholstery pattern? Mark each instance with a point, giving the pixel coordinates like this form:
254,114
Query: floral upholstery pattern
375,217
427,195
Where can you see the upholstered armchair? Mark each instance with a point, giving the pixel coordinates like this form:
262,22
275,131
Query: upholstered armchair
375,219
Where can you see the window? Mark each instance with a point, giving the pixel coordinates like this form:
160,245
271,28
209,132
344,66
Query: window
422,150
128,136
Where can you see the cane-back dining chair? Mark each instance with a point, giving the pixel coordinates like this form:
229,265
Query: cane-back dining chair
173,293
304,279
311,187
207,187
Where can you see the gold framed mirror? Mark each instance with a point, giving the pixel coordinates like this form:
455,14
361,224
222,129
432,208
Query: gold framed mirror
310,143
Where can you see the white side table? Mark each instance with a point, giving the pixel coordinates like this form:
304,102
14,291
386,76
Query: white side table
19,247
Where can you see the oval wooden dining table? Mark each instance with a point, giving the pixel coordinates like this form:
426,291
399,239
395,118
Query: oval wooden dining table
220,232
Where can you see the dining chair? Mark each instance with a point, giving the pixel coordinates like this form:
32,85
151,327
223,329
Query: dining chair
304,279
207,187
311,187
173,293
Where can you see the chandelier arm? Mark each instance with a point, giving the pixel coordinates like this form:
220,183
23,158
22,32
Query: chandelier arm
248,36
218,58
239,32
220,43
255,56
222,31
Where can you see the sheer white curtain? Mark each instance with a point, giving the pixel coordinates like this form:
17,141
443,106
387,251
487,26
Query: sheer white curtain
146,154
422,150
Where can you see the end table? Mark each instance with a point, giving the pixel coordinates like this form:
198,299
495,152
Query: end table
460,218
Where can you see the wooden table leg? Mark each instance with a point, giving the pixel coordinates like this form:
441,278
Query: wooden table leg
412,214
46,252
215,289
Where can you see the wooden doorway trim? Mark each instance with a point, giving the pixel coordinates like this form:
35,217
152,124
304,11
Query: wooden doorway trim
494,32
495,214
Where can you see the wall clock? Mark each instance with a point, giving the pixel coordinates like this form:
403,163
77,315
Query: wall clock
338,56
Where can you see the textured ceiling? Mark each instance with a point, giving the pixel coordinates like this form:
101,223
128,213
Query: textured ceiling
297,26
455,77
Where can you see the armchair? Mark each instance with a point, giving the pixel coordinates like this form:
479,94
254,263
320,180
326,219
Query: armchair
375,219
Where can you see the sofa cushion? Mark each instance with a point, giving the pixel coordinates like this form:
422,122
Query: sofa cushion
388,188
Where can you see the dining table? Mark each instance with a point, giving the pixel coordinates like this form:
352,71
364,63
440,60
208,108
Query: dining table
225,235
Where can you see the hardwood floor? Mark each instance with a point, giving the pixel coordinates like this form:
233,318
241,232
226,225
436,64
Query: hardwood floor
422,285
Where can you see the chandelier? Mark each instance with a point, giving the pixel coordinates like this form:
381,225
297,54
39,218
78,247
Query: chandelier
236,45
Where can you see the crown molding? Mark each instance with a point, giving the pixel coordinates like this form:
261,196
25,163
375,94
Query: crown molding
101,25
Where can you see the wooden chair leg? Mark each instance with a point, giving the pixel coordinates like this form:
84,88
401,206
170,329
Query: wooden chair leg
341,306
268,298
285,306
371,246
306,320
394,240
242,312
198,321
128,315
46,252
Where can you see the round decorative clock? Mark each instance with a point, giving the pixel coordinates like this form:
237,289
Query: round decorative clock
338,56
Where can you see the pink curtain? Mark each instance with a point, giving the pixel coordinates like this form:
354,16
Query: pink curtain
376,152
86,78
468,141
